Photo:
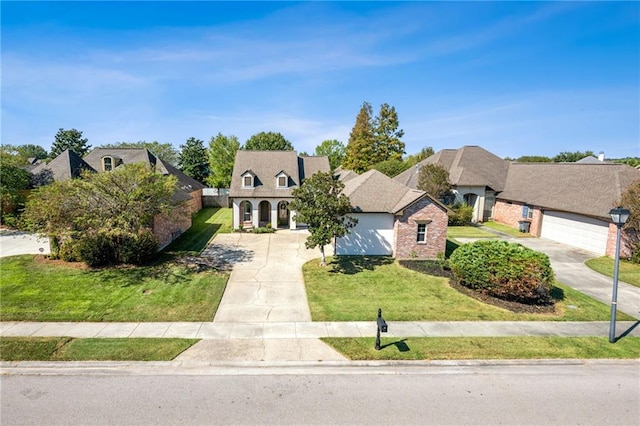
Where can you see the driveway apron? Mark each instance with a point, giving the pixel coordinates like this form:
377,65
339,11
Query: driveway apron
266,283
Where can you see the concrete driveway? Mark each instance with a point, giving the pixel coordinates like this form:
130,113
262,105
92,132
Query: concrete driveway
14,242
266,282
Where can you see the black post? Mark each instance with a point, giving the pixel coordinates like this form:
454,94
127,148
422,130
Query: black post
378,329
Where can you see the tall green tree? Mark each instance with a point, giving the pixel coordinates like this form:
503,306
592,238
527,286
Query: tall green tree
31,151
434,180
268,141
388,145
373,139
69,139
222,156
334,149
533,159
360,147
194,159
164,151
572,157
320,203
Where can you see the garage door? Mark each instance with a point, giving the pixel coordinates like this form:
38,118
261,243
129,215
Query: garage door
575,230
373,235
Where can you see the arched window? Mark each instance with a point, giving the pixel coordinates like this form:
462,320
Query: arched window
107,164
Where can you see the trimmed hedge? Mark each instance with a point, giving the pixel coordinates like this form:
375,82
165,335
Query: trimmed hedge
504,270
461,214
109,248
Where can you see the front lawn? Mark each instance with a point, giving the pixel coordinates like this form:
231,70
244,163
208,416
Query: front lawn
514,232
467,232
353,288
36,289
628,272
525,347
70,349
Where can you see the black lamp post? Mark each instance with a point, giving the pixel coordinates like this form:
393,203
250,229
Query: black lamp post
619,216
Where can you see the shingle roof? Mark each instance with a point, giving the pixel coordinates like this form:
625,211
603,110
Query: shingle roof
374,192
265,165
67,165
142,155
587,189
467,166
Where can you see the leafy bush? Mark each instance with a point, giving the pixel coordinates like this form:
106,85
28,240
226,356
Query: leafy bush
106,248
462,214
70,251
264,230
96,250
132,248
504,270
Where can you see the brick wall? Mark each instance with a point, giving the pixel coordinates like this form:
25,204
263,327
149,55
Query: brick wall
195,204
406,230
625,242
509,213
168,227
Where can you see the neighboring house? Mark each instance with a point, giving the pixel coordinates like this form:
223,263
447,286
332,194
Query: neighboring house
392,219
262,185
476,175
566,202
69,165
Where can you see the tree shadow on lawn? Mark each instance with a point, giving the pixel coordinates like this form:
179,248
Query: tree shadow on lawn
354,264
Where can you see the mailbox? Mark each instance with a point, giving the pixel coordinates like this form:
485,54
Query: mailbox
382,328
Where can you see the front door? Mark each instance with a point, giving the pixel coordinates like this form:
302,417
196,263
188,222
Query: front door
283,213
265,213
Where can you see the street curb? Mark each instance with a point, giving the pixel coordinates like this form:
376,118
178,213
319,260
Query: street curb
10,368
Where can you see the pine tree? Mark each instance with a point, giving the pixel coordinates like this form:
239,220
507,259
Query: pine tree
194,159
69,139
388,145
360,148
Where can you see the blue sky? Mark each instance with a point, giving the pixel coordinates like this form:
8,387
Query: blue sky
515,78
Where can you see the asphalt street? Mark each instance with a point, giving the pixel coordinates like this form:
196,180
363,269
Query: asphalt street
579,392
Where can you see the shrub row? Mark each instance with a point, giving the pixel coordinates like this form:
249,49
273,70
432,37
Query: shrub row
112,247
504,270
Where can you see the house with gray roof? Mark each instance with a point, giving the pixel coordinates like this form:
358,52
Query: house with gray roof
392,218
566,202
69,165
262,184
475,174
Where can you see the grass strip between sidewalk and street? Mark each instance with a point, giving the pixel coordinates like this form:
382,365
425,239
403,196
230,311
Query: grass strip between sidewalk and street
353,288
461,348
628,272
92,349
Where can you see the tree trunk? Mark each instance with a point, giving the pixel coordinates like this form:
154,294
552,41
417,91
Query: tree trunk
323,262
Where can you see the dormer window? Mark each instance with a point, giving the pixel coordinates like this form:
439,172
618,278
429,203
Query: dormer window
247,180
282,180
107,164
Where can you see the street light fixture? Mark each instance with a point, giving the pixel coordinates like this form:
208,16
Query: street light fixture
618,216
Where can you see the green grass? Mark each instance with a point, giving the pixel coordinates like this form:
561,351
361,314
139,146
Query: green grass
353,288
69,349
35,290
467,232
205,225
514,232
446,348
628,272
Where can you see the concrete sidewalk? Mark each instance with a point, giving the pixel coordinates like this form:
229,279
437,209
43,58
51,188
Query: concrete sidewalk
313,330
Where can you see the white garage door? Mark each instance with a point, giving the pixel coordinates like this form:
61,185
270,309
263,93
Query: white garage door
575,230
373,235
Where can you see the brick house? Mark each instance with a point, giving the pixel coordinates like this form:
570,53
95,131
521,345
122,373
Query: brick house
187,196
392,218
